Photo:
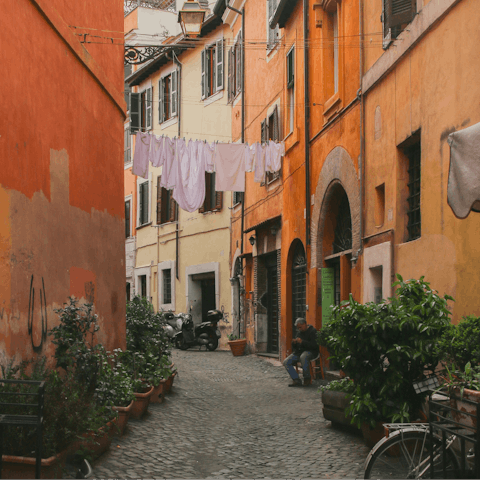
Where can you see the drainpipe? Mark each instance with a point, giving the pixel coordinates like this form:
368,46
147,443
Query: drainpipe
179,108
307,121
361,160
243,141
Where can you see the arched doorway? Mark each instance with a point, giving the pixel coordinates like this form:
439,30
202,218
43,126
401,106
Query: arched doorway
299,284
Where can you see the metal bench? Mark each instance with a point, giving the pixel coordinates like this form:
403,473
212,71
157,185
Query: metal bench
22,420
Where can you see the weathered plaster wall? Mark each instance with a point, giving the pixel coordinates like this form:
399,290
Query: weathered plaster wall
61,193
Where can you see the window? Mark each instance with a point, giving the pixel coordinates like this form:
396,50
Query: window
413,153
237,197
167,286
290,88
128,292
380,205
166,205
271,131
168,97
127,70
143,197
213,200
235,69
141,111
272,33
212,69
127,146
127,218
396,15
143,285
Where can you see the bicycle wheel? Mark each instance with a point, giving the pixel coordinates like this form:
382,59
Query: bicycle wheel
406,454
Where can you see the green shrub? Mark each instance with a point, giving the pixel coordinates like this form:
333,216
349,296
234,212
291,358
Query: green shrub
344,385
385,347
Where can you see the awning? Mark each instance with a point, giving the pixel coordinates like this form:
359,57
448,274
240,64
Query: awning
463,193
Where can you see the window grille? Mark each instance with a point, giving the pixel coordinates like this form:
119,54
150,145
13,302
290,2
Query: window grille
167,286
413,154
299,285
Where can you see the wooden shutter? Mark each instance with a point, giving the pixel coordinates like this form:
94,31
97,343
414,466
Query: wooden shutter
218,200
135,112
172,214
143,203
159,201
290,68
149,109
204,207
173,93
263,139
204,73
398,12
219,57
161,92
238,60
276,129
270,30
231,70
127,219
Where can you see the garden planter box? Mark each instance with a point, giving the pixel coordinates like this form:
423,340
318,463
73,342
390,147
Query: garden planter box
24,467
158,394
123,415
334,405
372,435
457,403
237,347
95,444
140,404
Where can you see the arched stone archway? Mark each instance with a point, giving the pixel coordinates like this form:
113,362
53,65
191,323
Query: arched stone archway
338,169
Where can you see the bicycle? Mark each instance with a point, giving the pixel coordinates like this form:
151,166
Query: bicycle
416,450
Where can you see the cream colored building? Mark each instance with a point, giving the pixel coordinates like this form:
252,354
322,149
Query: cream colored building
181,258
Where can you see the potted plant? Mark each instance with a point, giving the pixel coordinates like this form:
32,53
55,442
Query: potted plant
384,348
236,344
336,400
460,345
157,373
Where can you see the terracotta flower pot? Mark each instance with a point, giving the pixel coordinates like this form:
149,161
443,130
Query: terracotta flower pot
237,347
140,404
95,443
24,467
158,394
457,403
123,414
169,382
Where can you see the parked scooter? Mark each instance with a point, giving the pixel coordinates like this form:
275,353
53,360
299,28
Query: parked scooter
174,324
207,333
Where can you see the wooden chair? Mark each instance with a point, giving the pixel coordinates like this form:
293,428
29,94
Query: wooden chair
313,367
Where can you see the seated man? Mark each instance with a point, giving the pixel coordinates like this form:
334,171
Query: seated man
305,348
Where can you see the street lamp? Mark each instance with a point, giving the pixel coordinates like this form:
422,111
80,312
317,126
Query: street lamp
191,18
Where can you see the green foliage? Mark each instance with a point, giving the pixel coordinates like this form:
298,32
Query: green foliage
344,385
461,343
385,347
458,380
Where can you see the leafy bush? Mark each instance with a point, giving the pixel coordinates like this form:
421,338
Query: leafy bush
461,343
385,347
344,385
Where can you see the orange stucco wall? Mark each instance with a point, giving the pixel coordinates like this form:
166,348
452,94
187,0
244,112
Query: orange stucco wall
61,198
436,94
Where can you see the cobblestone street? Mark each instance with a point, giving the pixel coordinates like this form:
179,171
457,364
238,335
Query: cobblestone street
233,417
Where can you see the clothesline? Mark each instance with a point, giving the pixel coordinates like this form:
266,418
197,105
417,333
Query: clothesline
185,164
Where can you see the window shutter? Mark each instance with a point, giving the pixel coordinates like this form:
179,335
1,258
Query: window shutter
218,200
271,11
174,96
230,74
159,201
127,219
135,112
290,69
207,193
276,130
399,12
220,62
204,76
172,215
149,109
238,59
264,132
160,100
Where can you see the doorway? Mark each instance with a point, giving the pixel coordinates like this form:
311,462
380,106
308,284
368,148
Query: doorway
208,296
272,304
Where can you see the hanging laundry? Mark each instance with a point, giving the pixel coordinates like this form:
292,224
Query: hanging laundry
230,167
156,151
169,172
189,191
259,163
249,157
273,156
141,154
208,152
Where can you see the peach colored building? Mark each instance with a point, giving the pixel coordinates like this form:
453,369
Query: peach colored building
61,207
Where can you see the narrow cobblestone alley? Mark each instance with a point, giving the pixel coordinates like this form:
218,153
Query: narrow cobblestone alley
233,417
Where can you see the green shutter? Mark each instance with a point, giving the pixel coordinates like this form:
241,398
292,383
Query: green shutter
328,294
134,112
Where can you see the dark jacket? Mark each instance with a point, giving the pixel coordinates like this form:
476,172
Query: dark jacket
309,340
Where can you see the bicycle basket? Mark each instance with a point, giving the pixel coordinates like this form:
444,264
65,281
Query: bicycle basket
427,384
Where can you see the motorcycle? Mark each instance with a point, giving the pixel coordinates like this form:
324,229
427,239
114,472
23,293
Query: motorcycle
207,333
174,324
